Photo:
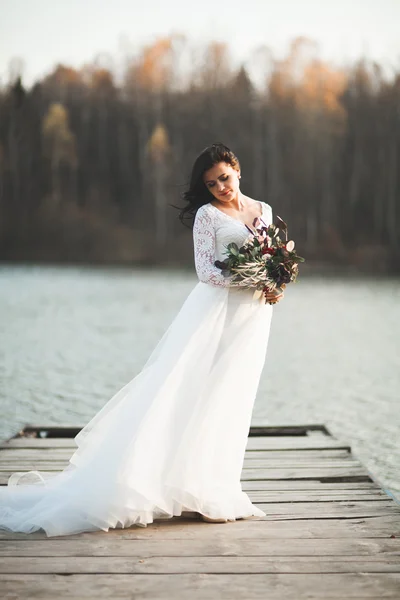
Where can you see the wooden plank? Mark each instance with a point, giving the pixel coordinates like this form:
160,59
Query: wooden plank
285,454
295,443
205,586
303,473
251,528
59,431
111,545
320,491
199,564
288,430
298,462
312,496
285,496
301,484
39,443
261,469
261,474
308,484
58,465
66,453
331,510
4,476
254,443
311,490
39,465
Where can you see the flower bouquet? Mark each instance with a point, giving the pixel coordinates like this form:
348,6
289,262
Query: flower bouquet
264,262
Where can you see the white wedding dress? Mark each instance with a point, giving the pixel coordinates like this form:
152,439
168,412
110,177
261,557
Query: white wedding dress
172,439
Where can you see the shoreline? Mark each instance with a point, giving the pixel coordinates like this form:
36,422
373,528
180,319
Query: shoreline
309,269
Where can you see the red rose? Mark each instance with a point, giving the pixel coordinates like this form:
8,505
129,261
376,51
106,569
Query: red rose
268,251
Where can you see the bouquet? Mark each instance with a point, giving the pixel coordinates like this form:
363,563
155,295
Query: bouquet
264,261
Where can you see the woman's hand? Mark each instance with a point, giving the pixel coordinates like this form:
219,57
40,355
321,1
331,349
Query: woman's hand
274,296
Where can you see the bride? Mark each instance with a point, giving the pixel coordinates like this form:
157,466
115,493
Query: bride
173,439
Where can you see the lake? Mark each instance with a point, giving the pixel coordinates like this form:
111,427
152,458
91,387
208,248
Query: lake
72,336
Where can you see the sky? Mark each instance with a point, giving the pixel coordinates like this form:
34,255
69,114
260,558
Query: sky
45,32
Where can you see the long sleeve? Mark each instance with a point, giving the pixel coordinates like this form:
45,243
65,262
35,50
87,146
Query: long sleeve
204,250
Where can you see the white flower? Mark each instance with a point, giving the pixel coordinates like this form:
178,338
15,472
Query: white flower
290,246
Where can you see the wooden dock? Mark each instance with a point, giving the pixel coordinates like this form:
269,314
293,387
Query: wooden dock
331,532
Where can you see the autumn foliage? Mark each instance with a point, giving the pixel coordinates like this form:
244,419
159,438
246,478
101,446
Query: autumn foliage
90,163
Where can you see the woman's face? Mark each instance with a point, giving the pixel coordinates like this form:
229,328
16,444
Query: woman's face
223,181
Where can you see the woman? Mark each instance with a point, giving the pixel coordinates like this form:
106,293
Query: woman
173,439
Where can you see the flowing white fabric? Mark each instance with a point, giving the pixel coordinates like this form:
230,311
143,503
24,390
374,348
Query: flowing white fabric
173,439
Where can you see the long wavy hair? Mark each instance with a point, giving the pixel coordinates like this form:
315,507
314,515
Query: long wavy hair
198,194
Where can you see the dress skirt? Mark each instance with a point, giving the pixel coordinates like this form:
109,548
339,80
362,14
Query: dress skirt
171,440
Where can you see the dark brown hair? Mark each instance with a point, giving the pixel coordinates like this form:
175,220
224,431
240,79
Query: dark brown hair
198,194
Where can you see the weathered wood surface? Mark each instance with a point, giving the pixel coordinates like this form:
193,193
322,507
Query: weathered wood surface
339,586
254,443
273,474
256,430
9,464
262,530
112,545
200,564
330,531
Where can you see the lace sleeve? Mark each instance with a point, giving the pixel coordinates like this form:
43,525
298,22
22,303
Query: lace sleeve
204,250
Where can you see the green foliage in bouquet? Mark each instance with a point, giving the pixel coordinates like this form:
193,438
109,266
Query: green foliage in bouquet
264,262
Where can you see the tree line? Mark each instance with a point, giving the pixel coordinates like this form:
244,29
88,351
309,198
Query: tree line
90,166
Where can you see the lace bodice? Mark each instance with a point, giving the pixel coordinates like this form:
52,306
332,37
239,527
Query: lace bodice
213,230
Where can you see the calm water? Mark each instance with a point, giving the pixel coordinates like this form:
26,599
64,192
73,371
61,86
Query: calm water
71,337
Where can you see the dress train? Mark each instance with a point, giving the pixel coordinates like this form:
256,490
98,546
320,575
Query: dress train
171,440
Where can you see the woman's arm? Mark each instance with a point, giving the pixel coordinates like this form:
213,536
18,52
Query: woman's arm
204,250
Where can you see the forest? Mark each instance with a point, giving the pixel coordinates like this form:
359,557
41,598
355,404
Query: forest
93,163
